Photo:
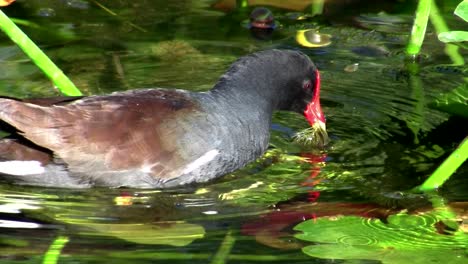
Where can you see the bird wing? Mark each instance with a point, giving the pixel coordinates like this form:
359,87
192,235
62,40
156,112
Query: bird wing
125,131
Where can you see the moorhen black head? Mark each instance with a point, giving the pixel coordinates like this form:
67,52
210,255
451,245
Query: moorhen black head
157,138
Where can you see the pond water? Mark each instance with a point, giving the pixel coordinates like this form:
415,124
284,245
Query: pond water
386,138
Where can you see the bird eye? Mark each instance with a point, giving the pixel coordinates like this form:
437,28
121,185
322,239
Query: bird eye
307,85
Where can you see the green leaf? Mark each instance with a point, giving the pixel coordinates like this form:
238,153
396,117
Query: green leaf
453,36
462,10
173,233
454,102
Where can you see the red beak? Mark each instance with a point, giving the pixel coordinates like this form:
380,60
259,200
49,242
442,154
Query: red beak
313,112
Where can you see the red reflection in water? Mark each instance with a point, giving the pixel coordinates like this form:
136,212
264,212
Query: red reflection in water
271,229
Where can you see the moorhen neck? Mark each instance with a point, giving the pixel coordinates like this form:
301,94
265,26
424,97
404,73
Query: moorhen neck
157,138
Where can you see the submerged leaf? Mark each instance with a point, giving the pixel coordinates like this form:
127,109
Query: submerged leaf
170,233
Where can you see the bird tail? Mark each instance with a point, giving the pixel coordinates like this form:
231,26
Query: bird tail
21,115
23,163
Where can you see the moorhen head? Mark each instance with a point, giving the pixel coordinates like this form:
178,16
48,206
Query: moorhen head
157,138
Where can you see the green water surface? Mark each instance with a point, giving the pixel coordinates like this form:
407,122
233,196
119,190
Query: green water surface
386,138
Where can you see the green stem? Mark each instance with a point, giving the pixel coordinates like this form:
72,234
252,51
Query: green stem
442,211
447,168
317,7
55,249
419,27
42,61
224,250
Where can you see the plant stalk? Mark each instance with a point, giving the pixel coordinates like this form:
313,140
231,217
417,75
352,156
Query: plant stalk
419,27
447,168
440,26
60,80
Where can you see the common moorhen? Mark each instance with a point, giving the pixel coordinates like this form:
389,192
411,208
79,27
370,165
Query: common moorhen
157,138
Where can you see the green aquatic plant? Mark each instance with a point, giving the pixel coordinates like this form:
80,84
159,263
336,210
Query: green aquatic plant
447,168
403,238
428,9
225,249
174,233
457,36
316,7
419,27
53,253
38,56
453,102
440,26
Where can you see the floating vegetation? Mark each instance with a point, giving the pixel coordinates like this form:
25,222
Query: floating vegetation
314,136
403,238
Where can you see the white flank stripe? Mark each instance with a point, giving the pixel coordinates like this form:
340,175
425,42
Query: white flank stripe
21,167
204,159
16,208
210,212
18,224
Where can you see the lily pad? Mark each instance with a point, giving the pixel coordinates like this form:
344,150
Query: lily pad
404,239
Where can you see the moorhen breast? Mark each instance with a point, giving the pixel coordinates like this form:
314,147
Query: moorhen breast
157,138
